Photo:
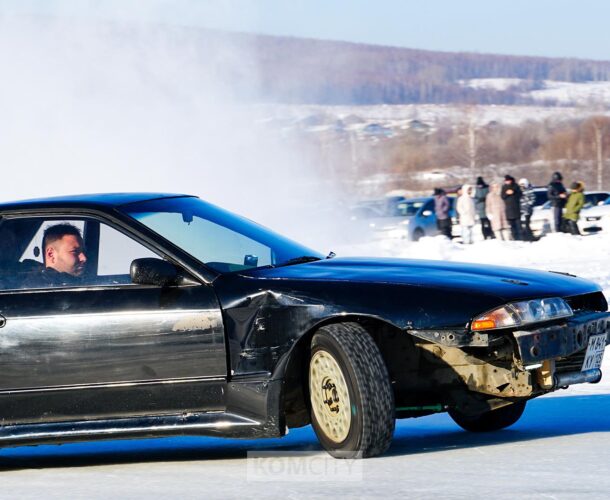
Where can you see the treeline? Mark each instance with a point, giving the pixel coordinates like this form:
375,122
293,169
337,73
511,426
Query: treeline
305,71
532,149
296,70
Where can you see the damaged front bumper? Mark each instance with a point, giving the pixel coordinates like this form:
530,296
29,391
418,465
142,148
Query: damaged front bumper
565,354
502,367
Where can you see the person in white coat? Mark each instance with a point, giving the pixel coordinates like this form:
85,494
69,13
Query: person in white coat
467,213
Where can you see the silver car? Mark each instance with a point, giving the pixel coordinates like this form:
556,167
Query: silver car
542,218
410,219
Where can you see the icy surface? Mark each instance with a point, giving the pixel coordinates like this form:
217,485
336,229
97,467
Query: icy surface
559,449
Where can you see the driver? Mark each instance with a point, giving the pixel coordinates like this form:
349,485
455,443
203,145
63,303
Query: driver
64,254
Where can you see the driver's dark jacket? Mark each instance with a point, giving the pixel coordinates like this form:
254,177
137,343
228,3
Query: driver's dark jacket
48,277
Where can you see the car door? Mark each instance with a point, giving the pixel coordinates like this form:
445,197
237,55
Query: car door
427,218
105,347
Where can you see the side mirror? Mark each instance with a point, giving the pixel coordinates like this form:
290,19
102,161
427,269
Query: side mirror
151,271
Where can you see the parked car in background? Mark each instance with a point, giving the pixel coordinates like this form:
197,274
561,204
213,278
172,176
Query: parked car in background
410,219
541,194
596,219
542,218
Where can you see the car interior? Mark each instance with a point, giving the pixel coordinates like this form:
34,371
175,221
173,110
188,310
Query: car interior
21,257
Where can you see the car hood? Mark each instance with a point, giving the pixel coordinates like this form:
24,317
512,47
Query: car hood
505,283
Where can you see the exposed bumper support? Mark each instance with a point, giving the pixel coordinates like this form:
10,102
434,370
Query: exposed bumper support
566,379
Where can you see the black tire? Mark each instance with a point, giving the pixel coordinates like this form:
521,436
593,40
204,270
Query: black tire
490,421
418,234
367,423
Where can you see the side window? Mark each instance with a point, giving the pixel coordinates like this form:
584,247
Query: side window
79,252
117,251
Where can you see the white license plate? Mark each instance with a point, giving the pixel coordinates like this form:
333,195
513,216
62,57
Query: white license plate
595,352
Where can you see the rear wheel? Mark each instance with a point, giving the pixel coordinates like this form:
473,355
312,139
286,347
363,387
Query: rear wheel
352,402
490,421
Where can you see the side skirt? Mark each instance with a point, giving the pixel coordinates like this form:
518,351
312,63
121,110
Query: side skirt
212,424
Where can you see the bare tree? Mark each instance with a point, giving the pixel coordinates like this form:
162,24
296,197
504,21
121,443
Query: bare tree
472,145
466,148
599,125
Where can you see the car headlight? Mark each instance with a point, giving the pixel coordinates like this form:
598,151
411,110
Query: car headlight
523,313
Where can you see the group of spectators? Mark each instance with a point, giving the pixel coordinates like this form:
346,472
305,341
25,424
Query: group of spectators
505,210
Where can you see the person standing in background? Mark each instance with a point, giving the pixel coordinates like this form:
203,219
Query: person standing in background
496,213
573,207
558,196
480,197
528,199
466,210
441,210
511,194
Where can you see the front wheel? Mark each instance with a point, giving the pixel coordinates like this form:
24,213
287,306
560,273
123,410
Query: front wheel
418,234
352,402
489,421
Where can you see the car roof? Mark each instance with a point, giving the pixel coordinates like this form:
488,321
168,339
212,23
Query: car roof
92,201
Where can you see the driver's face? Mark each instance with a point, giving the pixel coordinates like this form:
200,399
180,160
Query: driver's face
67,255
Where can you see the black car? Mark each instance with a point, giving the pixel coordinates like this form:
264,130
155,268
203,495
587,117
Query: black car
182,318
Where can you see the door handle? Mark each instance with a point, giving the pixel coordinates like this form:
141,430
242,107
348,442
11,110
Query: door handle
2,321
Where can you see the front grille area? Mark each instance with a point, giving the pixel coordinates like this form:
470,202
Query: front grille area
572,363
588,302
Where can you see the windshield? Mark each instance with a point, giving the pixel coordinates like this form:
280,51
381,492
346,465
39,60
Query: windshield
221,240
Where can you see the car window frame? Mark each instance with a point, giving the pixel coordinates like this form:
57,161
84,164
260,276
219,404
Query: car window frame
116,224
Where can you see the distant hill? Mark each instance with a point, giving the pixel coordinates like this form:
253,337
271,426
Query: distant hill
306,71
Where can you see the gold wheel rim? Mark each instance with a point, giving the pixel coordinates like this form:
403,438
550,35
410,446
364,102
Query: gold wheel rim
329,396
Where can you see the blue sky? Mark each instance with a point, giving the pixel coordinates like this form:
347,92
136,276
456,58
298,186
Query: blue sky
563,28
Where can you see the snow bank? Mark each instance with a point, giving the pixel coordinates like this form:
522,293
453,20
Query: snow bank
492,83
573,93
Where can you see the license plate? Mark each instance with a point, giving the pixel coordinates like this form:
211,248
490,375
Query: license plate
595,352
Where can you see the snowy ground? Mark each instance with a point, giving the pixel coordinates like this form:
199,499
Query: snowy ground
571,93
559,449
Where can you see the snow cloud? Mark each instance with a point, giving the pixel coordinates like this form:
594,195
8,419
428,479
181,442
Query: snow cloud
95,106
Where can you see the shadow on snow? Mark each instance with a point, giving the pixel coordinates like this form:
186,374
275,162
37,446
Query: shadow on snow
543,418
